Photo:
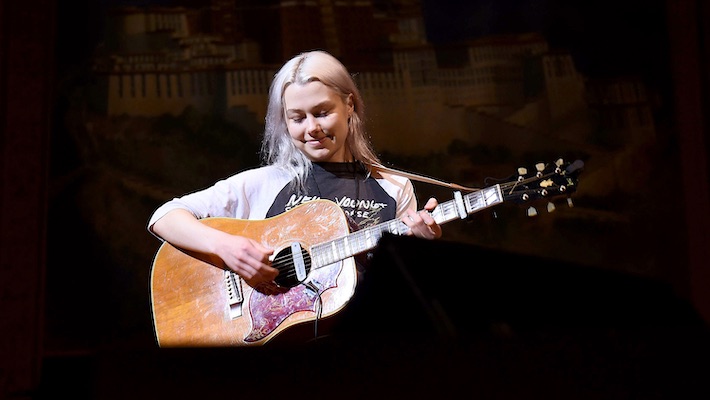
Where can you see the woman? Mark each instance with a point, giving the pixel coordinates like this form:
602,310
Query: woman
314,146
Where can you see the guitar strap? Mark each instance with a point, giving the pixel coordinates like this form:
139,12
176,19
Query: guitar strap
421,178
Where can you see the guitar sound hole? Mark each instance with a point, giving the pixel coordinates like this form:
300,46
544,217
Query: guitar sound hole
291,271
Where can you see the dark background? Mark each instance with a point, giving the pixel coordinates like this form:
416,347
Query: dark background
509,334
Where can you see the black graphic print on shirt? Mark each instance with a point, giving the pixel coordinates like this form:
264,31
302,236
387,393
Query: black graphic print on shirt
362,198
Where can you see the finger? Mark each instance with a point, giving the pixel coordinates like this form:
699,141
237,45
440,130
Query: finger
431,224
435,231
419,227
430,228
411,220
250,268
265,272
426,217
258,257
262,249
431,204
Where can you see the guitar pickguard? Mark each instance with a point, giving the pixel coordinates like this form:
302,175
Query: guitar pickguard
269,311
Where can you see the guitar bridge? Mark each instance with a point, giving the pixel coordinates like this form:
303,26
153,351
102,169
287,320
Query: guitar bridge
235,296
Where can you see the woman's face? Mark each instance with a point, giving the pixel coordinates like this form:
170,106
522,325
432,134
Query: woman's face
317,120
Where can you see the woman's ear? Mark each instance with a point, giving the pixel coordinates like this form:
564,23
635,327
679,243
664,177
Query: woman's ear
351,105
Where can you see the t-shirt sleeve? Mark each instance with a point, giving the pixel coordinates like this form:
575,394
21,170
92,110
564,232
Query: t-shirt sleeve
400,189
407,200
246,195
223,199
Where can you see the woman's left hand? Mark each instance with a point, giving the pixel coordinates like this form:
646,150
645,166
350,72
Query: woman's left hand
421,224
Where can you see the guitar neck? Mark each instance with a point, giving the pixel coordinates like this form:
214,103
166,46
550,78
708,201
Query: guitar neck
366,239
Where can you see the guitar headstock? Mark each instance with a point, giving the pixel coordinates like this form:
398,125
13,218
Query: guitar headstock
544,181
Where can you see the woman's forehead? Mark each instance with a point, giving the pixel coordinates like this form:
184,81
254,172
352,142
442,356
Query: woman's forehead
302,96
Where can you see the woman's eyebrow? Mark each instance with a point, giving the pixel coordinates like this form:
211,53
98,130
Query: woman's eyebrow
325,103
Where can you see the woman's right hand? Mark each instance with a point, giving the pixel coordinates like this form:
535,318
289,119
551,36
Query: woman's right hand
250,260
246,257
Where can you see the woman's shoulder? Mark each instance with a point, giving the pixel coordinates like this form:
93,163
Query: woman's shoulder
257,186
254,180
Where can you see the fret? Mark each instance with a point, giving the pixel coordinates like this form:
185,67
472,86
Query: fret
388,227
346,246
451,211
334,250
472,201
438,213
377,234
445,212
397,227
484,198
357,242
325,254
368,238
317,256
496,195
385,227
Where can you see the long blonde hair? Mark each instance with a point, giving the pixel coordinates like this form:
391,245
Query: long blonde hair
278,147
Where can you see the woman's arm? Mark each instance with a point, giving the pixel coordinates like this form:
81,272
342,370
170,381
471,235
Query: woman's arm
246,257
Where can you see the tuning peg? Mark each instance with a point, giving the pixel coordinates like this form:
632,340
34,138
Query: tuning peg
559,164
569,202
550,207
522,171
532,212
540,167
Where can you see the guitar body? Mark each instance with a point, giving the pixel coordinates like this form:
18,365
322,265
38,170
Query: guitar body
191,297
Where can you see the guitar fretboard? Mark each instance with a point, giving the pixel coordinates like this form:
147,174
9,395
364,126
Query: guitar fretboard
366,239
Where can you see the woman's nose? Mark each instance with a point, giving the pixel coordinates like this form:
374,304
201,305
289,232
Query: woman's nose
312,124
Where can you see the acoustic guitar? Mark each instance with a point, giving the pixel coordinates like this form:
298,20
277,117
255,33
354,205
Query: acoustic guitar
198,302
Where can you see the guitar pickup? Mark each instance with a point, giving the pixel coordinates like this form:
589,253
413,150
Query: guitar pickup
235,296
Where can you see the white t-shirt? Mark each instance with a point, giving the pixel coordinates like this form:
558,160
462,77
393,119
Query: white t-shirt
264,192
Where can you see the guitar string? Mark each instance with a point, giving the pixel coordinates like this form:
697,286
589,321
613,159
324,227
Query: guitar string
446,207
285,260
513,184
